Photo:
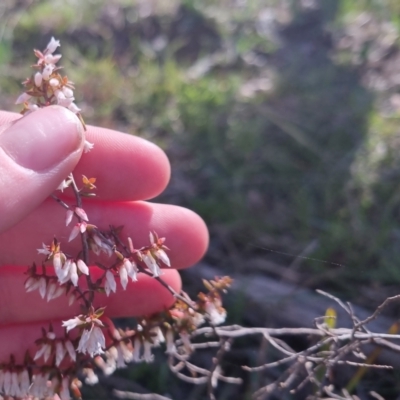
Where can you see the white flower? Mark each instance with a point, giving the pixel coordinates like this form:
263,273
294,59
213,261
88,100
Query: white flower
123,274
110,284
54,291
14,389
74,108
63,185
52,46
42,287
24,97
59,94
79,227
32,284
215,315
147,355
64,392
38,79
72,323
52,59
24,382
33,107
81,213
71,299
124,355
44,250
159,337
39,385
133,273
44,351
63,98
137,344
47,71
54,82
61,351
151,264
63,274
7,382
64,102
68,93
57,262
170,342
91,377
52,386
92,341
162,255
70,349
83,267
74,274
197,319
87,146
110,366
68,217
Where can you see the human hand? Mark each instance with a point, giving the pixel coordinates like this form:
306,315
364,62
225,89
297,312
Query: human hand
36,153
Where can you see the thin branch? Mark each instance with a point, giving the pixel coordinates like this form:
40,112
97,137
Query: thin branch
138,396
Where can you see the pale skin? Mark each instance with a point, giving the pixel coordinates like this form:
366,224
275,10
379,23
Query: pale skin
129,170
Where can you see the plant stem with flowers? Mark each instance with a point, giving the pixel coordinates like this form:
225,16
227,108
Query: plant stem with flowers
90,340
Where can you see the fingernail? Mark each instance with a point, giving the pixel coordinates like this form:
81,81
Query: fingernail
43,138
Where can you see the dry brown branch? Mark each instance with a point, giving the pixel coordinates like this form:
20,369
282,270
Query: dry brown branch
138,396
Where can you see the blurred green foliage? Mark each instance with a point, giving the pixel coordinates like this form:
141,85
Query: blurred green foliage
273,134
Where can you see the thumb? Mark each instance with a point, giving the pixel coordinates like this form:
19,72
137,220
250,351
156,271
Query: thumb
37,152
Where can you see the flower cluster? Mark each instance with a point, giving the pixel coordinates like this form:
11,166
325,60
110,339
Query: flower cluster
47,87
90,340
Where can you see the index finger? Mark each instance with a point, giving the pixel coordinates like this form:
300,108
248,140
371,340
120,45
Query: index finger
126,167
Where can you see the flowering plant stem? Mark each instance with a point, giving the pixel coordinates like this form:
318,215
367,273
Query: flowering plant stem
90,340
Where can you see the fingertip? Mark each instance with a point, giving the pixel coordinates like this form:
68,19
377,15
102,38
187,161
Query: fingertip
126,167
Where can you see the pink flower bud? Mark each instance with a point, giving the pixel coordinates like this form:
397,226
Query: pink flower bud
54,82
38,79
